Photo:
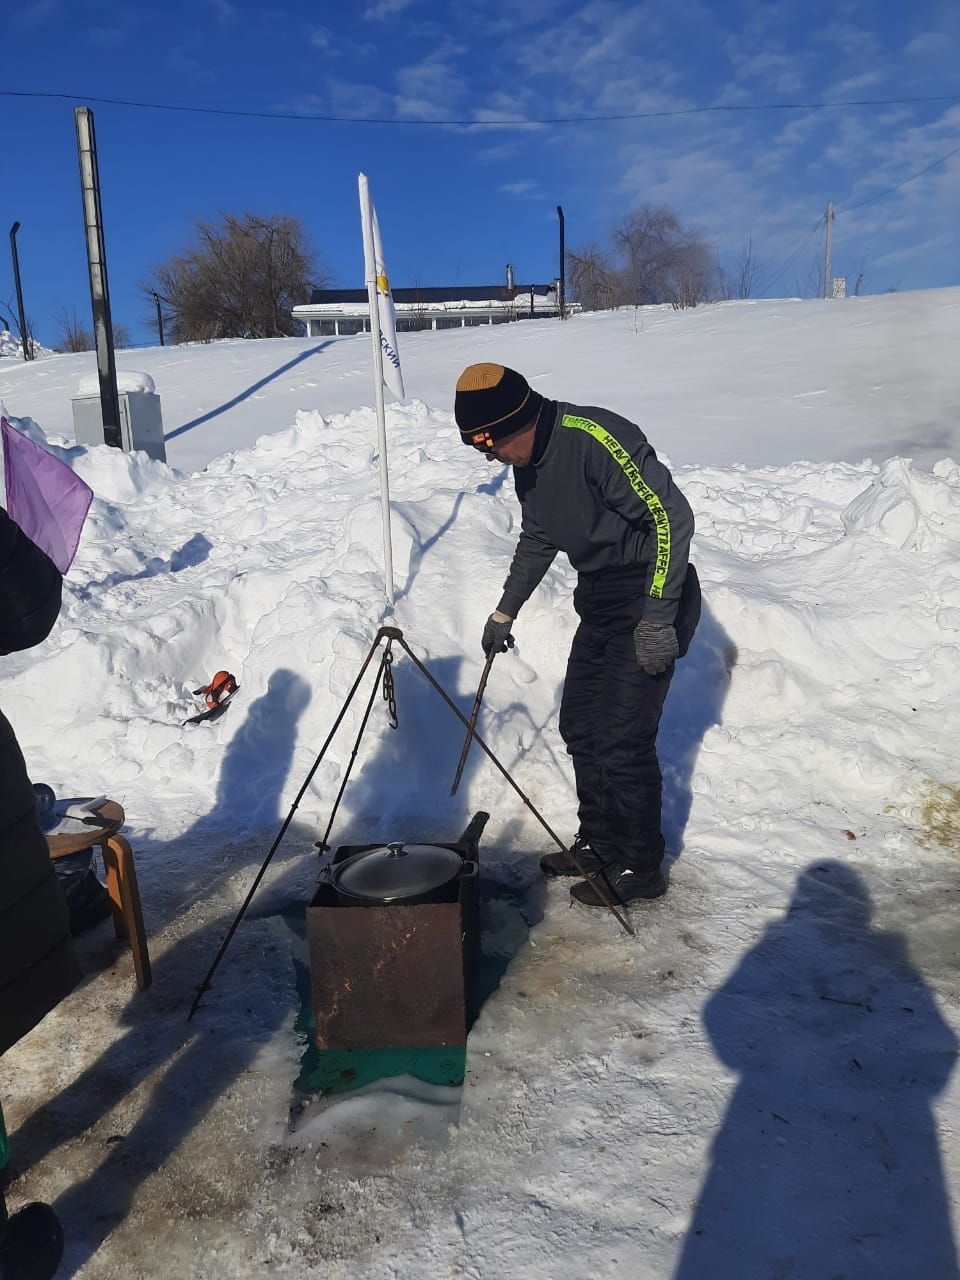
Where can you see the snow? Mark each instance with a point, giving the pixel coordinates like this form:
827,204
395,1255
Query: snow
761,1082
756,382
128,380
10,346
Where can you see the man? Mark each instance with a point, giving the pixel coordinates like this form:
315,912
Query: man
591,486
37,964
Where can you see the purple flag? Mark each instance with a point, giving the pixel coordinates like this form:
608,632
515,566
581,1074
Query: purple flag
44,497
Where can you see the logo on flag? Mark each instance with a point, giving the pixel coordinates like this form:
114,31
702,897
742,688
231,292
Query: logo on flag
376,269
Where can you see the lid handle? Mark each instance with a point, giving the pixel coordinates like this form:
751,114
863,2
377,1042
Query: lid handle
396,850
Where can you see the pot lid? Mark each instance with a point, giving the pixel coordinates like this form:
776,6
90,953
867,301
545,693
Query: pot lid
397,870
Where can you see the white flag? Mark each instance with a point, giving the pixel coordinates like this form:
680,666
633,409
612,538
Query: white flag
377,268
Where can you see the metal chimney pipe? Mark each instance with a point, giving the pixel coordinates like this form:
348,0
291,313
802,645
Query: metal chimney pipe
562,301
510,276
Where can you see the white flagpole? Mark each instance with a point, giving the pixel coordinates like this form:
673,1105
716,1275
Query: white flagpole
366,217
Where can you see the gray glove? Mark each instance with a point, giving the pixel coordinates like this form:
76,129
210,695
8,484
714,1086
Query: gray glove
496,636
656,646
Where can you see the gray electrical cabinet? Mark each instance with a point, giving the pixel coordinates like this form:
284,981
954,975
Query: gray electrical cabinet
141,422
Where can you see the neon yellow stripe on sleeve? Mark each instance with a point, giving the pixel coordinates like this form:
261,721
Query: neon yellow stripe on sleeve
640,487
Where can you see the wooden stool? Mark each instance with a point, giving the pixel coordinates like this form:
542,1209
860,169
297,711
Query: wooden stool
121,878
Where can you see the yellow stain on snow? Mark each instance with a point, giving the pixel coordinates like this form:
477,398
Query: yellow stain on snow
940,815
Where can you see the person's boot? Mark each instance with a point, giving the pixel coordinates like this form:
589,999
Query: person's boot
31,1243
558,864
620,884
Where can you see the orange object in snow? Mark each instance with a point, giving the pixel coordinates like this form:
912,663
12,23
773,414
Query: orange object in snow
221,686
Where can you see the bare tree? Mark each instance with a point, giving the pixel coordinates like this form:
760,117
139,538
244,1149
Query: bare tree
655,259
664,261
594,280
240,279
749,269
74,336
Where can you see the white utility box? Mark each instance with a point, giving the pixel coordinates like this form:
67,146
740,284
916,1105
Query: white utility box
141,422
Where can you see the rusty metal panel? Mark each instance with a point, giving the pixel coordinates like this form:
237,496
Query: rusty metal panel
394,976
387,977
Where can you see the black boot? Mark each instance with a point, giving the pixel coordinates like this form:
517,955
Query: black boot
31,1243
558,864
620,884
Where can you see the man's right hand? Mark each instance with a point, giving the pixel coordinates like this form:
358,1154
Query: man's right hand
496,634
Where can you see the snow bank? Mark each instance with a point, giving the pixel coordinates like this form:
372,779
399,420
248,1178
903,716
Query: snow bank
832,604
11,347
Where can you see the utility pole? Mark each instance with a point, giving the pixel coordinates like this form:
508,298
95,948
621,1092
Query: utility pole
828,264
156,298
24,336
563,268
99,290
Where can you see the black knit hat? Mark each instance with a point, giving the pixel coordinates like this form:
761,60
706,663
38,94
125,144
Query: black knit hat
493,402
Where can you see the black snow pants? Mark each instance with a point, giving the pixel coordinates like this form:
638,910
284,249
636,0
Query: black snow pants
610,713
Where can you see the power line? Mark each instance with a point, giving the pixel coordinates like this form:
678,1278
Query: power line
793,256
881,195
485,124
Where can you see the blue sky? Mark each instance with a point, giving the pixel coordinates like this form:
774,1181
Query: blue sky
457,203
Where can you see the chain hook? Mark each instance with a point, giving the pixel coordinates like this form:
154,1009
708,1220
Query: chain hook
389,689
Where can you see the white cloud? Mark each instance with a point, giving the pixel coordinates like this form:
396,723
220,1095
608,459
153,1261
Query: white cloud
224,11
519,188
860,44
182,63
853,84
34,13
335,45
499,151
105,37
378,10
430,89
909,251
927,45
781,72
352,98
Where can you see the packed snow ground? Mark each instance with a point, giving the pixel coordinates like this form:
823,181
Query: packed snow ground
762,1082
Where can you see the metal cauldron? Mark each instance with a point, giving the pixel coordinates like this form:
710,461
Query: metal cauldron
398,873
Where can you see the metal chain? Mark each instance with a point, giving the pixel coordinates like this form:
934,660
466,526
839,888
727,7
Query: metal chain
389,689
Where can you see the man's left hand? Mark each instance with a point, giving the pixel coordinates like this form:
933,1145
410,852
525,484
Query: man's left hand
656,646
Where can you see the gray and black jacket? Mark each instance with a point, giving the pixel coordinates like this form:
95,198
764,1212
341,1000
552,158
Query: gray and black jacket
600,494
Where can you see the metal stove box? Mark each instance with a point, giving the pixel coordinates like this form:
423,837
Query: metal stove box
395,976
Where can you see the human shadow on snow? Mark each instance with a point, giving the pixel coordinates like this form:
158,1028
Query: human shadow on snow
827,1164
694,705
